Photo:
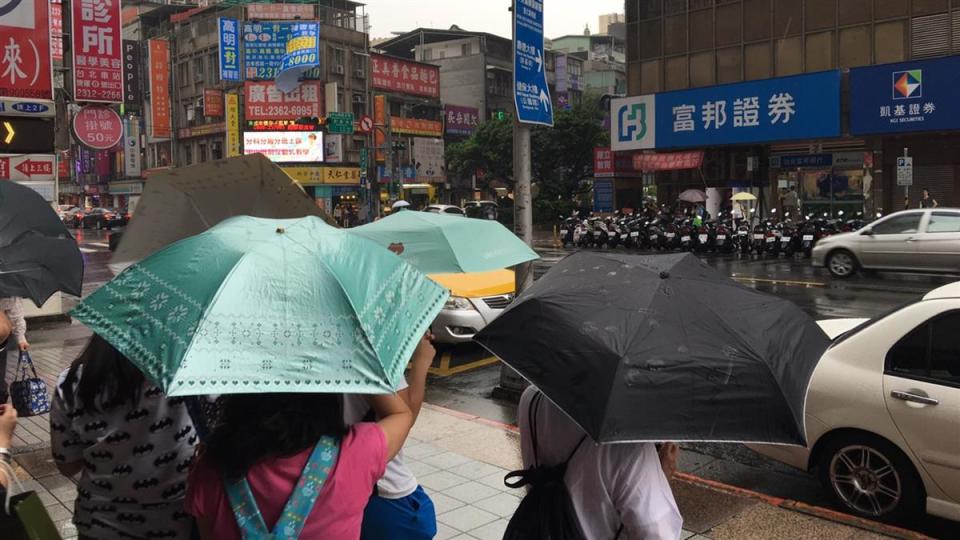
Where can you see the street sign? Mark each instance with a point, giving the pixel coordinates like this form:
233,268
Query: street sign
364,158
26,70
530,91
26,135
340,123
98,127
905,171
37,108
29,167
365,124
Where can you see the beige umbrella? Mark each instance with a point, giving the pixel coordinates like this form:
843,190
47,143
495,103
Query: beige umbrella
743,196
186,201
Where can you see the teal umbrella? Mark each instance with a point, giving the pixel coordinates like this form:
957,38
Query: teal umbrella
446,244
267,305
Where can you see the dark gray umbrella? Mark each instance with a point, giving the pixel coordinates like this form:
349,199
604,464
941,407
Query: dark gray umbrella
661,348
38,256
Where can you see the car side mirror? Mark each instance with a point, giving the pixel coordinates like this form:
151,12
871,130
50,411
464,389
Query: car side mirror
867,232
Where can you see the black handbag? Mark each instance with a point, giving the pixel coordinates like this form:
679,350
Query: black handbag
29,394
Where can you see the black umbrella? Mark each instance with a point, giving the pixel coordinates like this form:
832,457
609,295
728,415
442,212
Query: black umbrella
661,348
38,256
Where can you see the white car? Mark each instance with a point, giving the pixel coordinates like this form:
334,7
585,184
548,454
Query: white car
444,209
883,412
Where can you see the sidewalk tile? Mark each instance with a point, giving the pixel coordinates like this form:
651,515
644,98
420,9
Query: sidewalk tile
446,460
422,450
685,534
444,503
441,480
495,480
501,504
475,470
419,468
466,518
445,533
490,531
470,492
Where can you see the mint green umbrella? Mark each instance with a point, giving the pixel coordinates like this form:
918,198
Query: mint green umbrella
266,305
446,244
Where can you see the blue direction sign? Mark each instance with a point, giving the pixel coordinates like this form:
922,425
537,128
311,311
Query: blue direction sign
530,91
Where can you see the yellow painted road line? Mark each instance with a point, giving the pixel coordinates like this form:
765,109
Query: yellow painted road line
780,281
442,371
445,370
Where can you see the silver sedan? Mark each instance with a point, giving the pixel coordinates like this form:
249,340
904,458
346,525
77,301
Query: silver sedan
926,240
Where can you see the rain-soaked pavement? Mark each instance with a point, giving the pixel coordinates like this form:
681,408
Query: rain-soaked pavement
467,379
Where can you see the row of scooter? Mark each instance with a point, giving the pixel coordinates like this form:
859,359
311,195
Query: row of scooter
726,234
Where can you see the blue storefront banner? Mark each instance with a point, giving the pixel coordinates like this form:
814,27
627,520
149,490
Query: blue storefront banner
265,46
786,108
909,96
782,109
530,91
303,54
229,49
806,160
603,195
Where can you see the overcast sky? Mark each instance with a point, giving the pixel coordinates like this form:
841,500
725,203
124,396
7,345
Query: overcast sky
562,16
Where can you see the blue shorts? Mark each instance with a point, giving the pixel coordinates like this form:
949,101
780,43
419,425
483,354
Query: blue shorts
410,518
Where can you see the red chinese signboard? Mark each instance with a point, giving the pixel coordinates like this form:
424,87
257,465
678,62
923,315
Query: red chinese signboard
97,56
159,88
668,162
56,29
98,127
414,126
395,75
212,102
603,164
25,67
264,101
264,12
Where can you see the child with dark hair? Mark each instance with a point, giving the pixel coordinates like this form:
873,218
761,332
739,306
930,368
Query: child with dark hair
286,464
131,445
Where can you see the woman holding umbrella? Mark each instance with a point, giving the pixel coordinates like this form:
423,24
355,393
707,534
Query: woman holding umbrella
12,308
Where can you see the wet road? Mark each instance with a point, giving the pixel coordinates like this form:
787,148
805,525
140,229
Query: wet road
469,385
814,291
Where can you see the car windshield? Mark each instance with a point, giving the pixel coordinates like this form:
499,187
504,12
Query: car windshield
869,322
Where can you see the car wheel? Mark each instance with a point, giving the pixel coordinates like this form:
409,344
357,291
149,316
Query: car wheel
871,478
842,264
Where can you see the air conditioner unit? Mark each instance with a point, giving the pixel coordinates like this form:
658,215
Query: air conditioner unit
338,70
359,73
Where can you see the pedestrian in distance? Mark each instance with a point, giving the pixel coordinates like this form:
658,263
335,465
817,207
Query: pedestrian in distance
618,491
131,445
927,201
12,308
399,508
8,423
288,463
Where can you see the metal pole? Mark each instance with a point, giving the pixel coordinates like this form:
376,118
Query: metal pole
522,199
906,188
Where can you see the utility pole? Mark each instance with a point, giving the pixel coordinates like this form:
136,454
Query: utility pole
522,199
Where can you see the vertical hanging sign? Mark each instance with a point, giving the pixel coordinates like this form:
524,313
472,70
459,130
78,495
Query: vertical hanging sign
131,147
232,111
97,58
26,70
159,50
131,75
229,49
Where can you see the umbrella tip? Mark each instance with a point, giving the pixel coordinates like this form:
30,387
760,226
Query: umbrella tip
281,230
664,274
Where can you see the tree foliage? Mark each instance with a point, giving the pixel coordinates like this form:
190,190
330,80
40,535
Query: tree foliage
562,155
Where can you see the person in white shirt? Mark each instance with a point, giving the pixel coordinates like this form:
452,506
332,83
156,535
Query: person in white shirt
12,308
399,508
618,490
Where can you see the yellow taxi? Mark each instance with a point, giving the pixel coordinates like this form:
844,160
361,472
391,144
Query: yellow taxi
475,300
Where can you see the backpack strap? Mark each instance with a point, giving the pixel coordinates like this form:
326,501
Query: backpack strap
298,507
534,473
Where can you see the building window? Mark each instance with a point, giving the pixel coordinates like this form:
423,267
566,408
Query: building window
337,61
187,154
819,52
854,46
183,73
465,49
359,105
202,152
428,54
359,65
216,150
213,67
890,42
198,70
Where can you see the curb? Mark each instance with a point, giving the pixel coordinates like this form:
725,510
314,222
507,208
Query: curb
779,502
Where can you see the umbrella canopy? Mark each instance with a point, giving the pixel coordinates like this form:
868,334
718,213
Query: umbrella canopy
693,196
661,348
189,200
265,305
400,204
438,243
38,256
743,196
